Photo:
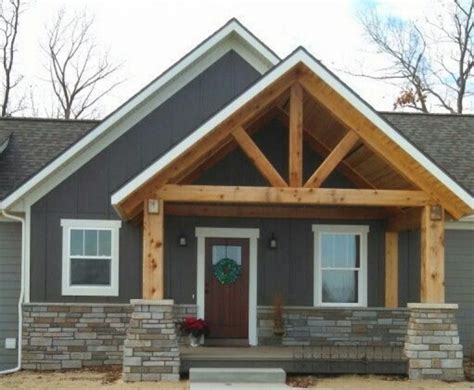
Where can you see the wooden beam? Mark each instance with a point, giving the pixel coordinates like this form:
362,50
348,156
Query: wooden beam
260,161
153,250
391,269
335,157
432,255
296,136
286,195
197,154
406,220
231,211
381,144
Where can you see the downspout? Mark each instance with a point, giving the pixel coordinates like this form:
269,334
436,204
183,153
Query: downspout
22,290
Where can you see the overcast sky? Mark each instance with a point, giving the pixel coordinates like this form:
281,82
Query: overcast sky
149,35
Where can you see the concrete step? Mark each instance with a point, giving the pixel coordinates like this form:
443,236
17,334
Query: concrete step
237,375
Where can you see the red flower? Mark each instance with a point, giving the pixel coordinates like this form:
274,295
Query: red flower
195,326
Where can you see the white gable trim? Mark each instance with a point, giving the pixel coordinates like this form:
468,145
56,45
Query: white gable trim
233,36
299,56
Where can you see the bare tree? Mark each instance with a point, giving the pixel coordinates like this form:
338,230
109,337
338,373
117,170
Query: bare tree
431,61
9,22
80,74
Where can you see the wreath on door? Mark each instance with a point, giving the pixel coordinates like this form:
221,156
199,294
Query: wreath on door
227,271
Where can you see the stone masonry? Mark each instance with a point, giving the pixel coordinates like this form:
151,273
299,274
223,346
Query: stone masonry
60,336
432,342
151,351
315,326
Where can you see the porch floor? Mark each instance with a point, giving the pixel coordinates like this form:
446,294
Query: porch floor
300,359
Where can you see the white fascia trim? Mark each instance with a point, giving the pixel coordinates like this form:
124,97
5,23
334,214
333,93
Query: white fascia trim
252,234
231,37
299,56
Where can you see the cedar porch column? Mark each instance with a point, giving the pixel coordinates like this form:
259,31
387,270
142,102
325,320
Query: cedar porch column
391,269
153,251
432,255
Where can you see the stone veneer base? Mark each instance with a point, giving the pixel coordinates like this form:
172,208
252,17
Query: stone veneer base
151,351
432,343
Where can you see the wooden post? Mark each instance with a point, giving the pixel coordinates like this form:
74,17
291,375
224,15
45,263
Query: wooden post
296,136
153,251
432,255
391,269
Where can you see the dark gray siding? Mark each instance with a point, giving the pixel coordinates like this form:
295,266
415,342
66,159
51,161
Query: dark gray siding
459,276
460,281
10,282
287,270
86,193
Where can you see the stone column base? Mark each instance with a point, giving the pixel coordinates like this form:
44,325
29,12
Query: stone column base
432,343
151,350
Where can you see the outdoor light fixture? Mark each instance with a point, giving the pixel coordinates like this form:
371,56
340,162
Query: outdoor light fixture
273,243
182,240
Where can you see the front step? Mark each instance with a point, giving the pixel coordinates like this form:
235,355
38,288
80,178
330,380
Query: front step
237,375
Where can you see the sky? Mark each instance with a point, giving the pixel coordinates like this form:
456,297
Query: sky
147,36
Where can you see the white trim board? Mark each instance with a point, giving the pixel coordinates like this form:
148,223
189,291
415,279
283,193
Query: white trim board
298,56
232,36
252,234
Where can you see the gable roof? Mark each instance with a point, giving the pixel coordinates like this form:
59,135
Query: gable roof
299,56
33,144
232,36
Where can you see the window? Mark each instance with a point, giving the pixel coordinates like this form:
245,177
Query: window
90,257
340,265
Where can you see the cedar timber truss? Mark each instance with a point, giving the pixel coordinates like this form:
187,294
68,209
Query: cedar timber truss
392,179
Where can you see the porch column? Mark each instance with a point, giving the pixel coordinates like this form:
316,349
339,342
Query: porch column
153,250
432,255
391,269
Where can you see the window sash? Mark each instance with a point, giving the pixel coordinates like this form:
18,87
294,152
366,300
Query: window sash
356,230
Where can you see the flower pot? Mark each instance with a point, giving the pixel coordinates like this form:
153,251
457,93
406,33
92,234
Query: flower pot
196,341
279,331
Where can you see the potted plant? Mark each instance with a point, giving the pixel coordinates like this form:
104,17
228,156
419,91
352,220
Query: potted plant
278,320
196,329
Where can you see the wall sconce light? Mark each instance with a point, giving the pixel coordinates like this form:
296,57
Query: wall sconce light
182,240
273,243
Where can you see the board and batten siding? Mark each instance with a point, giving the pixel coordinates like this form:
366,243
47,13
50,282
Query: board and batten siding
86,193
10,282
287,270
459,276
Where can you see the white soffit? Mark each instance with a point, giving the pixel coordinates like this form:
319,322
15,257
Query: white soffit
298,56
232,36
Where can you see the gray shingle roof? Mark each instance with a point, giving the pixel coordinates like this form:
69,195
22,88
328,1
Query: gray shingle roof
447,139
33,144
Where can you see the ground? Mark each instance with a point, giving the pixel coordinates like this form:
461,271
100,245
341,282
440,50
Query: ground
110,380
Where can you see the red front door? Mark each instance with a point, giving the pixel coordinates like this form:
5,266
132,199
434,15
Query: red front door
227,290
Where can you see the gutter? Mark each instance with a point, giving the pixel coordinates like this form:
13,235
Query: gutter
22,291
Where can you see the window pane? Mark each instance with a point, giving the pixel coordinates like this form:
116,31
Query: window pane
328,245
90,272
90,247
340,250
77,242
220,252
340,286
105,242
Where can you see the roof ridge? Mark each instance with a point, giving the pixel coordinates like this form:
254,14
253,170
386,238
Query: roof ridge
43,119
427,114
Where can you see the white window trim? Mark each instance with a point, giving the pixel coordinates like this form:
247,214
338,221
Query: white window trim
362,231
109,291
252,234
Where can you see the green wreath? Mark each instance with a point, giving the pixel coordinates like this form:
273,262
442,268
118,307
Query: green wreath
227,270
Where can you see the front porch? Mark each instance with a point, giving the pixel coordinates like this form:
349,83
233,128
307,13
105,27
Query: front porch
299,190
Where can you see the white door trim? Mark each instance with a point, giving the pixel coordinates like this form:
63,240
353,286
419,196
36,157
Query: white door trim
252,234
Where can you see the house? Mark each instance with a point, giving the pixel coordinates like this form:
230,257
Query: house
233,178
